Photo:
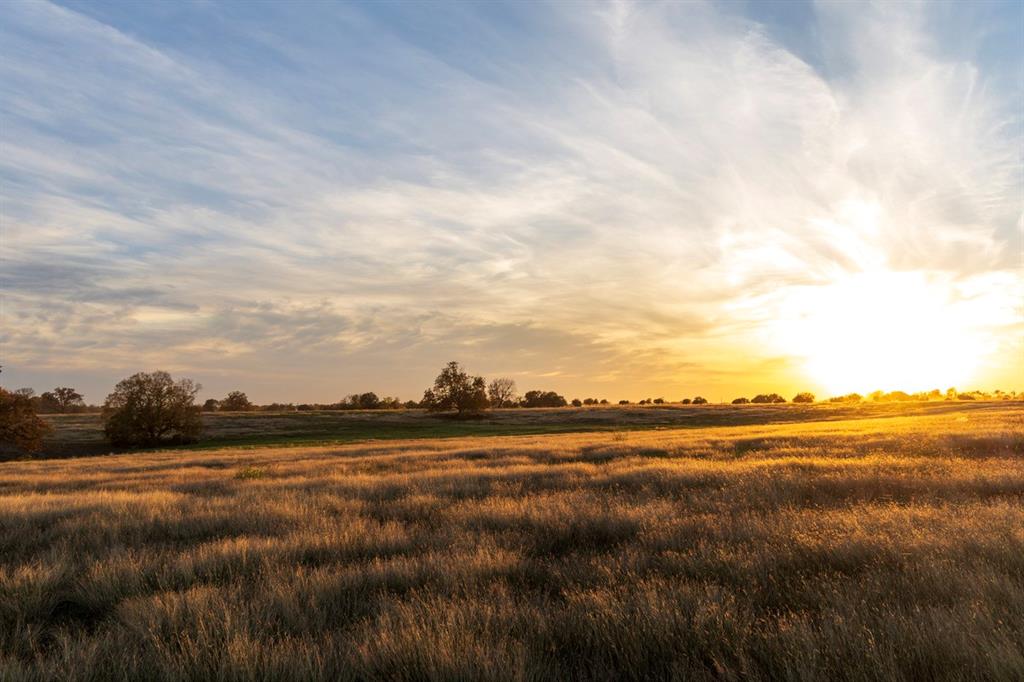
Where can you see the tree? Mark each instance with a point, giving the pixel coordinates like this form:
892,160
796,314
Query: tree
700,401
67,399
20,426
804,397
659,401
236,401
685,401
47,403
367,401
502,392
623,402
543,399
456,390
30,392
211,405
576,402
762,398
740,401
145,408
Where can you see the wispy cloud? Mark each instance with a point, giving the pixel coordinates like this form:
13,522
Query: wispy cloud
617,198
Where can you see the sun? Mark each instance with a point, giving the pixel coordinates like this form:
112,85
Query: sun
882,331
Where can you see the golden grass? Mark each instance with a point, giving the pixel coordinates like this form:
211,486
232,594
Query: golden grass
888,548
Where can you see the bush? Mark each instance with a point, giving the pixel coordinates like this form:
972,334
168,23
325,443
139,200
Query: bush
685,401
455,390
848,398
700,401
763,398
740,401
146,408
659,401
623,402
576,402
804,397
211,405
21,429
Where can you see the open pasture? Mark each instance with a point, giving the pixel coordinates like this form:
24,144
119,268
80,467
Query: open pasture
884,547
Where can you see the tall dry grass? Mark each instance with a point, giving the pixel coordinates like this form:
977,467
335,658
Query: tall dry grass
870,549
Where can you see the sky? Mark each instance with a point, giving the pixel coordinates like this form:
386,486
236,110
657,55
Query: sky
618,200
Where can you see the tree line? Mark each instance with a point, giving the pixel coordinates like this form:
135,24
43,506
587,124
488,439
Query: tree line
150,408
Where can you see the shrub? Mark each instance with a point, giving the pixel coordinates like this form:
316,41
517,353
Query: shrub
456,390
740,401
211,405
146,408
576,402
685,401
20,427
623,402
804,397
700,401
659,401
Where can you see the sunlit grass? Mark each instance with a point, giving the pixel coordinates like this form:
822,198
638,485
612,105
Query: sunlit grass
888,548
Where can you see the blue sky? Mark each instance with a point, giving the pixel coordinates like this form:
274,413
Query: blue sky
303,200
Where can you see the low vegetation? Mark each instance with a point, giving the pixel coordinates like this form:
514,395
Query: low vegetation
872,548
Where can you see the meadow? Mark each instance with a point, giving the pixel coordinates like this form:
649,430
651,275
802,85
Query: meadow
74,435
879,542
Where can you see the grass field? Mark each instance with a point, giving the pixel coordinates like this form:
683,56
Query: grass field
879,543
82,434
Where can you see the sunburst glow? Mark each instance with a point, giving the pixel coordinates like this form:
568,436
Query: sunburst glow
886,330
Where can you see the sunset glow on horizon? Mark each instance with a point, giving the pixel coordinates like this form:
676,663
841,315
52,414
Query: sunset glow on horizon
618,200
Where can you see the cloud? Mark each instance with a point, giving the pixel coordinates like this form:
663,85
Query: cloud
618,197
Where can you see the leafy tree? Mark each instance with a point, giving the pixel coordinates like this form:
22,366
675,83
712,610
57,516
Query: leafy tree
411,405
67,399
576,402
762,398
700,401
804,397
145,408
456,390
236,401
685,401
29,393
211,405
47,403
368,401
740,401
848,398
623,402
659,401
543,399
20,427
502,392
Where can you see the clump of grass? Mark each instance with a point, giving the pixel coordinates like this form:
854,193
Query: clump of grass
250,473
